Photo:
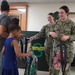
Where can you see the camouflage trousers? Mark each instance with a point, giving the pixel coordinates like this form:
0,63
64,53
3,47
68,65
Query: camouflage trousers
49,58
53,71
57,72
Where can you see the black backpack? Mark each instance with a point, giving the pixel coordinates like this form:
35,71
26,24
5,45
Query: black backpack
30,62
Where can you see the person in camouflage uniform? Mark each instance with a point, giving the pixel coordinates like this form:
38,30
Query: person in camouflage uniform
48,45
65,31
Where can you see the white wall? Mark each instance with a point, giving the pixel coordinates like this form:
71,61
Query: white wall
37,14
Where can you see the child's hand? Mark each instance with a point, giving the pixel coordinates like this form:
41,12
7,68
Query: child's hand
30,53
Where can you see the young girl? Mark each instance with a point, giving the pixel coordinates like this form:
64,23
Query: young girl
16,22
11,50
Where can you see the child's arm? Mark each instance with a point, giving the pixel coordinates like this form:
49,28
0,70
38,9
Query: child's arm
3,50
17,50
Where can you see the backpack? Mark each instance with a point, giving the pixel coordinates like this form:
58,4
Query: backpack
30,62
31,66
60,57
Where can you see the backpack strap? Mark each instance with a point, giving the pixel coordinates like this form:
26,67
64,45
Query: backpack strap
63,52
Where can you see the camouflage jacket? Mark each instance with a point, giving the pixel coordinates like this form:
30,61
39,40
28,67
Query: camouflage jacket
66,28
45,32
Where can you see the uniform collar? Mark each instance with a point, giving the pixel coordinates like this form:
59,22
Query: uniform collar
51,25
65,21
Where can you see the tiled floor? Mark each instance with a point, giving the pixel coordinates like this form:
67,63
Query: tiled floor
21,72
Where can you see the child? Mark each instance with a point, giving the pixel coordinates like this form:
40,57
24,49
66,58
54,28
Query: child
15,21
11,50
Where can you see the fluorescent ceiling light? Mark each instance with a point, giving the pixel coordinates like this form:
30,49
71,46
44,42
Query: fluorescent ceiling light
22,10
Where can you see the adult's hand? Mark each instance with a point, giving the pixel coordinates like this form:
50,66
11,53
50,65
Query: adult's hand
53,34
31,39
64,37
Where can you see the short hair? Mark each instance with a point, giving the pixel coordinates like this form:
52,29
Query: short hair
65,8
15,21
13,27
52,14
4,6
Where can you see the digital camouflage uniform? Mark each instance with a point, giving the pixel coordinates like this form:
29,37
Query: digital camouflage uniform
66,28
48,45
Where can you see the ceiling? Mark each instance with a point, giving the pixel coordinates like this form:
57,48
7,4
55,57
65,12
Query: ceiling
39,1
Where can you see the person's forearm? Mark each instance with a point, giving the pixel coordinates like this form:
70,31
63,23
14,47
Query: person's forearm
22,55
